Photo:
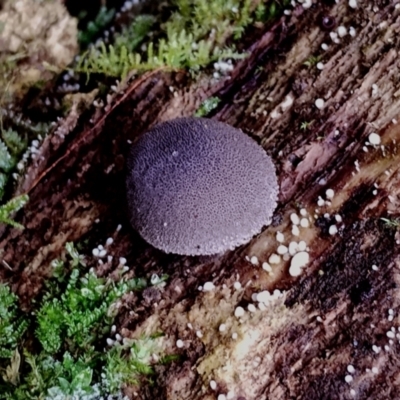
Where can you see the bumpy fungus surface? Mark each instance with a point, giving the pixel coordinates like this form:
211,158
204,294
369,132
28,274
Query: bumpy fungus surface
197,186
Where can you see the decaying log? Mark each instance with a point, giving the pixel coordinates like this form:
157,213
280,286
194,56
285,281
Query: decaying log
344,308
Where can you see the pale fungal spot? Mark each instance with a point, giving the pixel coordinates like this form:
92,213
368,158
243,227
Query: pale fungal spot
320,66
274,259
179,343
302,245
350,369
213,385
299,261
282,249
353,3
307,4
230,395
324,46
329,193
342,31
376,349
254,260
252,308
266,267
374,370
280,237
352,31
221,397
303,212
390,334
239,312
375,267
374,139
293,248
96,252
333,230
199,334
295,219
338,218
304,223
319,103
234,335
348,378
237,285
222,328
208,286
189,325
295,230
320,202
102,253
287,102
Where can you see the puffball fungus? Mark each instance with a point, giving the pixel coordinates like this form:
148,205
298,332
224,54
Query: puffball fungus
197,186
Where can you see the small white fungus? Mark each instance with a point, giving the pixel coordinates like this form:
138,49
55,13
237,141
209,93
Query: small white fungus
299,261
266,267
239,312
213,385
350,369
221,397
342,31
234,335
348,378
274,259
302,245
282,249
254,260
295,230
390,334
252,308
237,285
280,237
208,286
374,370
333,230
293,248
319,103
295,219
353,3
374,139
179,343
304,223
324,46
222,328
329,193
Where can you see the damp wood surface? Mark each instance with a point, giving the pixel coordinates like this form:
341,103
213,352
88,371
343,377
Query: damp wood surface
338,311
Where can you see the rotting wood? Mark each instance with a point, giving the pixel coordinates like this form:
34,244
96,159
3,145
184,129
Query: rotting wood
328,318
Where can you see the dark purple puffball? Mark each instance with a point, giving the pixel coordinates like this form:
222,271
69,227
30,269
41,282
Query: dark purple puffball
198,186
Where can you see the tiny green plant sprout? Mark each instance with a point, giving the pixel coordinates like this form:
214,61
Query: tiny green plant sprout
199,187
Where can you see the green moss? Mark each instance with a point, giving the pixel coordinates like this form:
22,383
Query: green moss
207,106
63,339
193,36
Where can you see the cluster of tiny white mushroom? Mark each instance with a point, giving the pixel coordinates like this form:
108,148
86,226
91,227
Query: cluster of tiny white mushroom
393,335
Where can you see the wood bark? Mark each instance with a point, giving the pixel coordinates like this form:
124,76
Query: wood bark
337,313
